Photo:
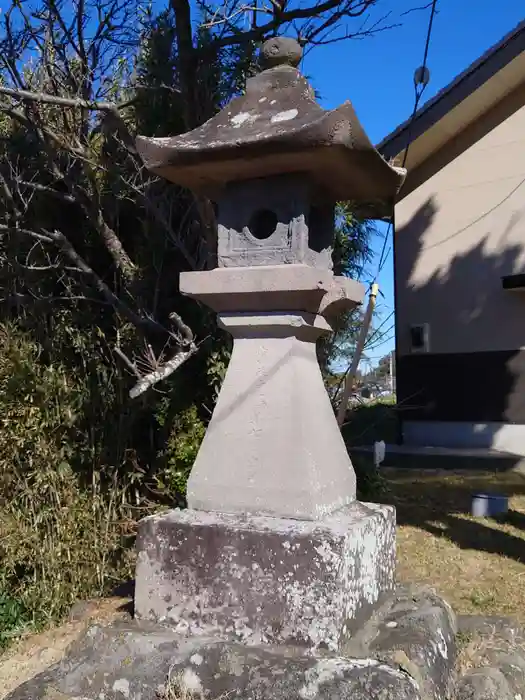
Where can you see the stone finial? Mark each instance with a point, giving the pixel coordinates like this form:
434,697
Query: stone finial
281,51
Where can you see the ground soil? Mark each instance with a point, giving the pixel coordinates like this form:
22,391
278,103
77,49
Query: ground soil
35,653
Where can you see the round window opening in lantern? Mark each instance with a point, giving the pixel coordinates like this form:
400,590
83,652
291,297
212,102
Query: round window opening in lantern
262,224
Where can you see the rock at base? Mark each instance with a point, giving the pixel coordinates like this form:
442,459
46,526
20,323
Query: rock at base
416,631
405,651
264,580
493,652
484,684
128,663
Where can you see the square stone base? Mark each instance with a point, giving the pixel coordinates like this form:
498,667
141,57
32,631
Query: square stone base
266,580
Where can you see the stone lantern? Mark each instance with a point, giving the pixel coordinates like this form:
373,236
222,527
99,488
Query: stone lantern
274,546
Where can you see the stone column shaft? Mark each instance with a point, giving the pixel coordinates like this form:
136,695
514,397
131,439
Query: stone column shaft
273,446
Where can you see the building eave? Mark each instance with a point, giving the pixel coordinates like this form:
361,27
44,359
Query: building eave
471,94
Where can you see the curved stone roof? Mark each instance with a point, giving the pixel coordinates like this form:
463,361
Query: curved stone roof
277,127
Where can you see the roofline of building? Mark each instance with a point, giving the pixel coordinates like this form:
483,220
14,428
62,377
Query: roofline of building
477,74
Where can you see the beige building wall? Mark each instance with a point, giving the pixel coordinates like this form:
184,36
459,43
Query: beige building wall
460,228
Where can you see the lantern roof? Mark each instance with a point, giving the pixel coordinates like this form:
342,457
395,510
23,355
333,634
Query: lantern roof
278,127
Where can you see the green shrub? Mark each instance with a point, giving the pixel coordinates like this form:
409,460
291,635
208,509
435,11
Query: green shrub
182,444
65,524
370,422
371,484
72,483
14,619
365,425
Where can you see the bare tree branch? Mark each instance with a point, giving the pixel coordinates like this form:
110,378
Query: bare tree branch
185,333
44,98
67,84
239,11
27,232
347,8
65,246
38,187
417,9
127,361
162,372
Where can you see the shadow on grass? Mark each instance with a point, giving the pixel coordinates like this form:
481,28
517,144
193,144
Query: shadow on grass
438,503
516,519
475,534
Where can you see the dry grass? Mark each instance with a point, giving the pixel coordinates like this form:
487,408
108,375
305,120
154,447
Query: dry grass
480,649
474,651
184,686
177,688
33,654
478,565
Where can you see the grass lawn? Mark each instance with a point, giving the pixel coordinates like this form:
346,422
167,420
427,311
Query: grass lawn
478,565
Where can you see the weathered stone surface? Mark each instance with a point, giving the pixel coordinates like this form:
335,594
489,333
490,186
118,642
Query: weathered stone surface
415,630
126,662
419,633
277,127
281,50
273,446
133,661
266,580
274,221
272,288
493,651
484,684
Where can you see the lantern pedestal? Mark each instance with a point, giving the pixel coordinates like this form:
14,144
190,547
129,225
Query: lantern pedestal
274,548
264,580
273,446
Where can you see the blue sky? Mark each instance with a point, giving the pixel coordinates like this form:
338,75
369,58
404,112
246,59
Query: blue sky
376,74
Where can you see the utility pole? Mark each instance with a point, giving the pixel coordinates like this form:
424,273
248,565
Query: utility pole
391,371
363,334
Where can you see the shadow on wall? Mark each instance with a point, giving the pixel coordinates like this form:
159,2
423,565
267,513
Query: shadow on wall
460,304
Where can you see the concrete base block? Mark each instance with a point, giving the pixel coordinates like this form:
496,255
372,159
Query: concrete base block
266,580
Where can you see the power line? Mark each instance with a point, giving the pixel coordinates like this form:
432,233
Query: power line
477,220
421,79
375,332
